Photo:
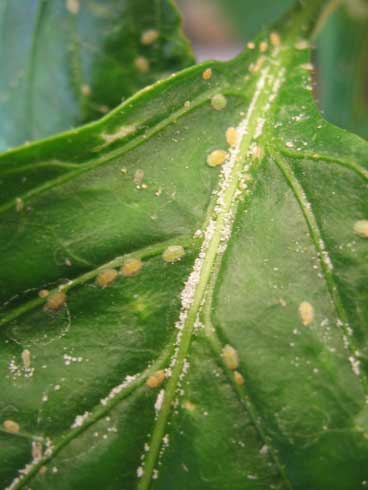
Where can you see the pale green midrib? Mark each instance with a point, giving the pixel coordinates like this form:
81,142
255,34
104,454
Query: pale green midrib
96,415
205,275
143,254
215,344
316,236
111,155
361,171
159,429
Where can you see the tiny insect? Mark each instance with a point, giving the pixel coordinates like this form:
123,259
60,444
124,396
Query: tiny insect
306,313
218,102
230,357
231,136
138,176
106,277
131,267
56,301
207,74
217,157
263,46
11,426
86,89
149,36
36,451
142,64
26,358
72,6
43,293
361,228
156,379
239,378
173,253
275,39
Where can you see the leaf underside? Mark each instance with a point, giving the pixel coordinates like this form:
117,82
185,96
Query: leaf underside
67,62
276,228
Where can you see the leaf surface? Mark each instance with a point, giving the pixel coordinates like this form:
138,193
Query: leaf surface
275,267
68,62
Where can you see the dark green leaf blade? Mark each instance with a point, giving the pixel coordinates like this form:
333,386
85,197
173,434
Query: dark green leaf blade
274,266
69,62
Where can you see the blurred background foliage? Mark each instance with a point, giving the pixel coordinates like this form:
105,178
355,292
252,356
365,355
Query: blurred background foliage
218,29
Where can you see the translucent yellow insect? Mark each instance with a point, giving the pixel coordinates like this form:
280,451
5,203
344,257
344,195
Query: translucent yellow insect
156,379
217,157
106,277
207,74
56,301
131,267
230,357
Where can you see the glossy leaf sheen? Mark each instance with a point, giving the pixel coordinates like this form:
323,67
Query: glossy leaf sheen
278,220
66,62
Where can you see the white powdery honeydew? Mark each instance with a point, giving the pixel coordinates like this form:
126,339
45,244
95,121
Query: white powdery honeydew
219,227
119,134
324,255
355,364
36,459
159,400
227,213
80,420
118,389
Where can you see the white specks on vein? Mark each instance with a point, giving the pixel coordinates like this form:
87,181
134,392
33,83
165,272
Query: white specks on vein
223,217
355,364
324,255
117,389
215,238
119,134
80,420
159,400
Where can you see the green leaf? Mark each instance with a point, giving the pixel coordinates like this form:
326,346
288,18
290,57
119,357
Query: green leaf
250,16
275,267
342,51
68,62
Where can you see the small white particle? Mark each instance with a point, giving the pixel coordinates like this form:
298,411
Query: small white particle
159,400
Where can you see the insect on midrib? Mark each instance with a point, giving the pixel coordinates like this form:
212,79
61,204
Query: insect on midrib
216,236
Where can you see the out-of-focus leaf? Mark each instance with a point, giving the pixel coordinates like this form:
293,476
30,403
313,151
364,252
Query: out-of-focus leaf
67,62
343,71
250,16
275,265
